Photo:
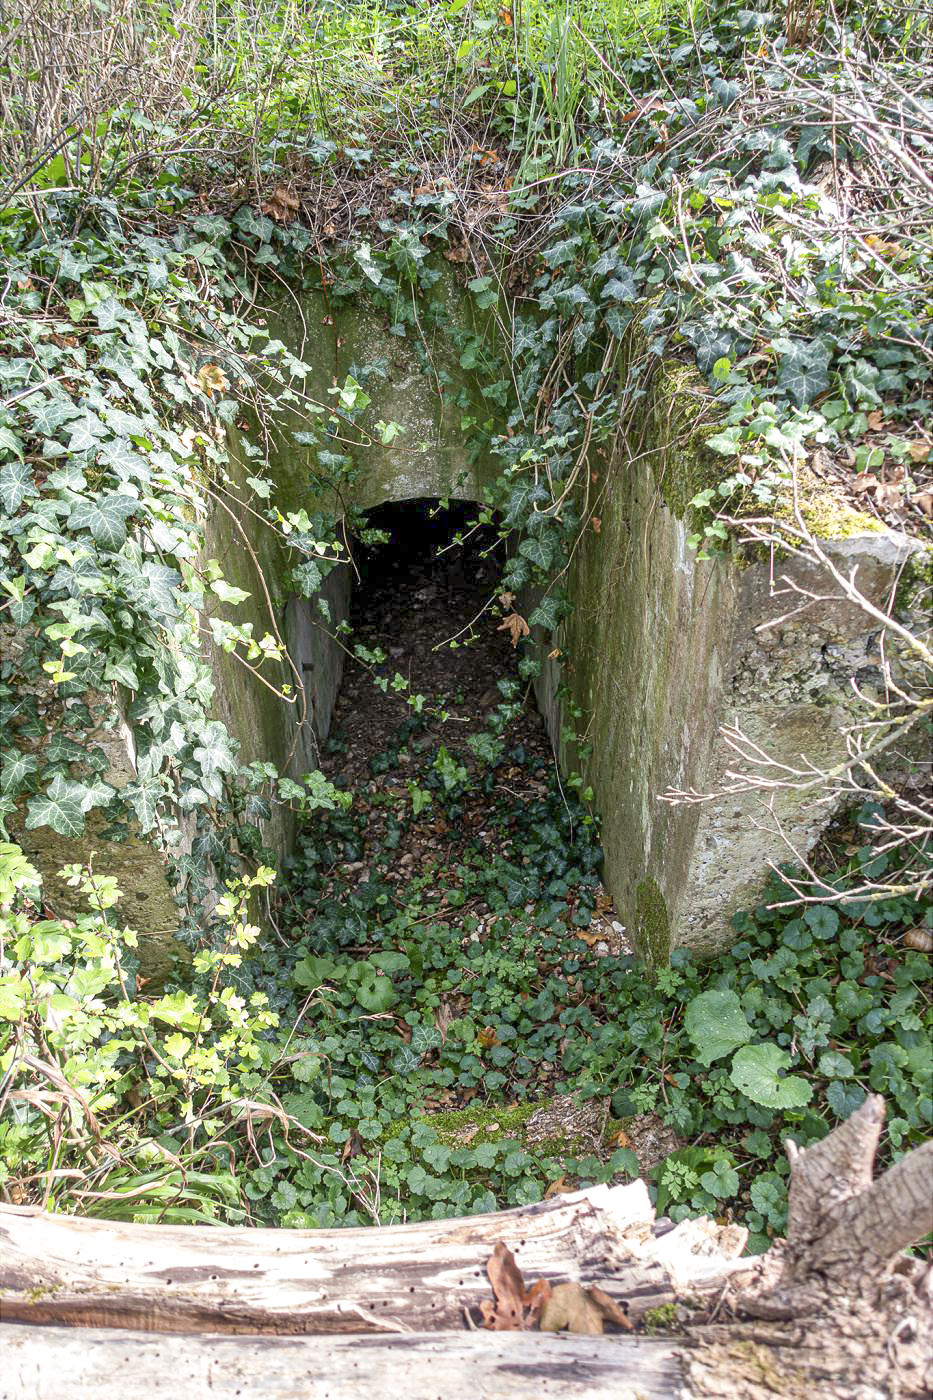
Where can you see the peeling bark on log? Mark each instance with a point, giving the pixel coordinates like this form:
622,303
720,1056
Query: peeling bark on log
104,1365
408,1278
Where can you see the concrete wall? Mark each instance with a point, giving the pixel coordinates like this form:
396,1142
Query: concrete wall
662,651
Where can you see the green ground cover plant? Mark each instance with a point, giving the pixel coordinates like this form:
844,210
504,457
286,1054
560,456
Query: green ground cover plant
617,186
381,1064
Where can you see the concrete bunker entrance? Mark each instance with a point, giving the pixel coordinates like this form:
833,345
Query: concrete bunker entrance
412,631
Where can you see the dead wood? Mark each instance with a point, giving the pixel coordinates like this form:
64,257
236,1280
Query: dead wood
837,1312
424,1277
103,1364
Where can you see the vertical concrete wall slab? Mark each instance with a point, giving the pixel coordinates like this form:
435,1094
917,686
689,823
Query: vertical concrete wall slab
662,650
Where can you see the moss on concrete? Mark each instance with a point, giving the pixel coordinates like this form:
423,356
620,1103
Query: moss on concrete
828,515
683,466
652,932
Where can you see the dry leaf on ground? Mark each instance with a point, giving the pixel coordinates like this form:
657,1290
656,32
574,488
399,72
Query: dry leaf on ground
282,205
212,379
514,1309
584,1311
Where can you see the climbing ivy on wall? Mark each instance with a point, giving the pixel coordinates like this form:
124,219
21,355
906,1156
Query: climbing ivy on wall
700,225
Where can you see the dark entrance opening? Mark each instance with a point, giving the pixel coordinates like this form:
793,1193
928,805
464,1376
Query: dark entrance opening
426,612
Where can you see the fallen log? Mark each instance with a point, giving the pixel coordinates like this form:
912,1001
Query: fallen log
428,1276
103,1364
836,1312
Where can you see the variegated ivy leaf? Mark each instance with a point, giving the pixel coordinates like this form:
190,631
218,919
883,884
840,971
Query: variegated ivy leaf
121,458
539,551
159,585
86,432
214,753
62,813
48,414
144,798
15,769
105,517
803,371
16,484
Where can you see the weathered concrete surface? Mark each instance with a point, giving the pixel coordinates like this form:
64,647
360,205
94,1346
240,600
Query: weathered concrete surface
788,687
662,650
147,901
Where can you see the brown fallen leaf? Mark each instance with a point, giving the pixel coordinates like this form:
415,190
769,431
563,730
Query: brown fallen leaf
924,499
556,1187
888,496
610,1309
514,1309
584,1311
516,626
459,253
865,481
919,938
282,205
919,450
570,1309
876,420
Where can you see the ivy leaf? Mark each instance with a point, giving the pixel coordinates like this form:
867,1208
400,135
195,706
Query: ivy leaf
539,551
803,371
560,253
10,443
158,585
227,593
16,483
121,458
214,753
96,794
716,1024
63,814
756,1072
86,432
364,258
48,414
144,799
105,517
546,614
621,287
517,505
15,769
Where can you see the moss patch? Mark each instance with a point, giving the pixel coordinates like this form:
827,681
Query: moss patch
652,924
485,1123
683,466
662,1319
827,514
